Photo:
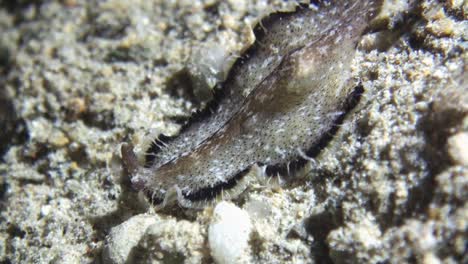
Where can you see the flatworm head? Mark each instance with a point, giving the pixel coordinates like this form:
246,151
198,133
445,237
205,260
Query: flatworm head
291,105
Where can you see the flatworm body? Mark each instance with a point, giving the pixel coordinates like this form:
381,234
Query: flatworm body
280,101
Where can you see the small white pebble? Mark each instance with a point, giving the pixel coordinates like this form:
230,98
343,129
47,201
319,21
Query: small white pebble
229,234
124,237
430,258
458,148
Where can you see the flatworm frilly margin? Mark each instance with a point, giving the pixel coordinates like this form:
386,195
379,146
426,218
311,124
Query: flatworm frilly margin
298,85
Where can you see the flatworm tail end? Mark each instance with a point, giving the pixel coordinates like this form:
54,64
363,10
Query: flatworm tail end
131,165
129,159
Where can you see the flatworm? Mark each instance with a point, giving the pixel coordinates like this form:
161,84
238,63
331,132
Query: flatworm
280,104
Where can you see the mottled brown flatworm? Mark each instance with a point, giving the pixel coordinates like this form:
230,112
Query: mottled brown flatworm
297,78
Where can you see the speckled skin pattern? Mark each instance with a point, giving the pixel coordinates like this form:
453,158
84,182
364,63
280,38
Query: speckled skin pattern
297,81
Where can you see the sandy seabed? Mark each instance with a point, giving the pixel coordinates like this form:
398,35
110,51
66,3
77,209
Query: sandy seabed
77,78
